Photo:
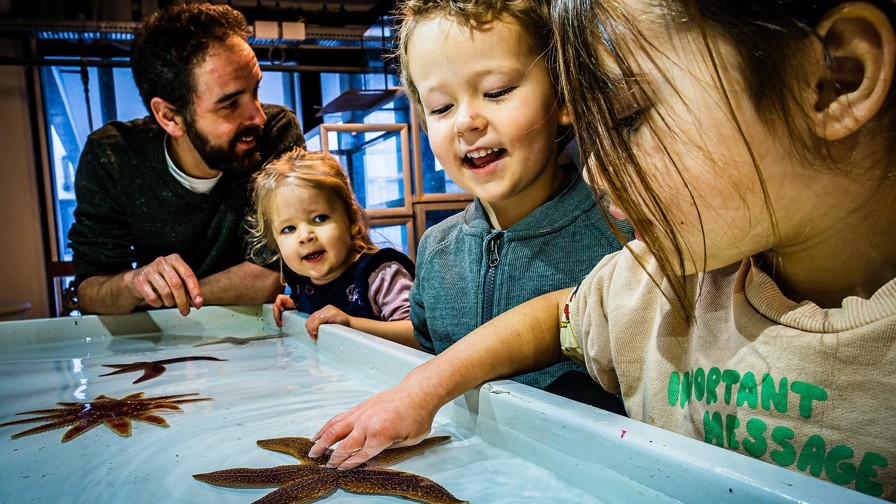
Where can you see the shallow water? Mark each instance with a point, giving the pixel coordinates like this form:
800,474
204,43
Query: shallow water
267,388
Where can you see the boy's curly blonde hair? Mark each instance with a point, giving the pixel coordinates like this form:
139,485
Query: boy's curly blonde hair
534,16
300,168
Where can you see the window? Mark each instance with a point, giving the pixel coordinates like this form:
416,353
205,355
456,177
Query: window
78,100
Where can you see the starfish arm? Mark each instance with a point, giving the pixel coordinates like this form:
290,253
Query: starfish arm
119,425
80,428
152,419
65,406
187,359
243,477
398,483
133,365
167,405
265,337
124,368
220,341
239,341
52,412
35,419
40,428
150,370
393,455
302,491
296,446
170,398
185,401
198,399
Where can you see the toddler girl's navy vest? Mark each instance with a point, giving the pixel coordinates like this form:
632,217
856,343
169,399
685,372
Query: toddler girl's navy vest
348,292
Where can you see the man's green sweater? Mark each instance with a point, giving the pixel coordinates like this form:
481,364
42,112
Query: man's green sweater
131,210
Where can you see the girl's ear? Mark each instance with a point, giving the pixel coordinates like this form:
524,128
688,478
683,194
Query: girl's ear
167,117
856,73
565,118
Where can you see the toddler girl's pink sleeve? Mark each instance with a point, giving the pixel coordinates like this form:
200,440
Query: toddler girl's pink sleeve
390,288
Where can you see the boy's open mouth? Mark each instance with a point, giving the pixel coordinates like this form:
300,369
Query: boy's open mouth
483,157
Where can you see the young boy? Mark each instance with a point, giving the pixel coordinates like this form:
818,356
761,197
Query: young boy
493,117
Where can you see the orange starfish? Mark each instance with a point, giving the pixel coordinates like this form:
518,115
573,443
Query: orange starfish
313,480
116,414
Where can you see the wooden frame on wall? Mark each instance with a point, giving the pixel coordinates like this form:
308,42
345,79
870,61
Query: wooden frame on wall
406,210
408,223
421,210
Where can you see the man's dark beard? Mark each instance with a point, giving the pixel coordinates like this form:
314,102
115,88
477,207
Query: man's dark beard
225,158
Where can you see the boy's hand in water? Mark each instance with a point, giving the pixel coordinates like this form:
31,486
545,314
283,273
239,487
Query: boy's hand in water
399,416
327,315
281,304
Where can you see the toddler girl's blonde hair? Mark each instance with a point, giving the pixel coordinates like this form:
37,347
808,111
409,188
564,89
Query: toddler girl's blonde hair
301,168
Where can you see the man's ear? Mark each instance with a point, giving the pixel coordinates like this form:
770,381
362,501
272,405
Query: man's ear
168,117
856,73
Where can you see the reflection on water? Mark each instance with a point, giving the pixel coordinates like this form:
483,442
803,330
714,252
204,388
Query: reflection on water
268,388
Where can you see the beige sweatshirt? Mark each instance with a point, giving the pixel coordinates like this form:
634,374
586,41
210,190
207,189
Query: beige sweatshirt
809,389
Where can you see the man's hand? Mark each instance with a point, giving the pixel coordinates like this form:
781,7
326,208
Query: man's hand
168,281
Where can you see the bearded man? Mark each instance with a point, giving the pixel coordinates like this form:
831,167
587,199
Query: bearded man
162,200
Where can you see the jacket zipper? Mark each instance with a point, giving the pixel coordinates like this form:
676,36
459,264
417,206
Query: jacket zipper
493,245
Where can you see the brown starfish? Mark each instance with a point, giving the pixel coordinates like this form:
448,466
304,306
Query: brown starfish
240,341
151,369
116,414
312,479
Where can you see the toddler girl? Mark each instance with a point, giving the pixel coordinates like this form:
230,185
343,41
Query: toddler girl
307,214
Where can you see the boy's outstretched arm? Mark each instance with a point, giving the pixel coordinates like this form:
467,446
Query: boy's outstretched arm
520,340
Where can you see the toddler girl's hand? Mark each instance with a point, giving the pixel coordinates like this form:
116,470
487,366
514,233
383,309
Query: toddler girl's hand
282,303
327,315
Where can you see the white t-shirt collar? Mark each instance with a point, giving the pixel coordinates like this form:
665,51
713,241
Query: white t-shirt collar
197,185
